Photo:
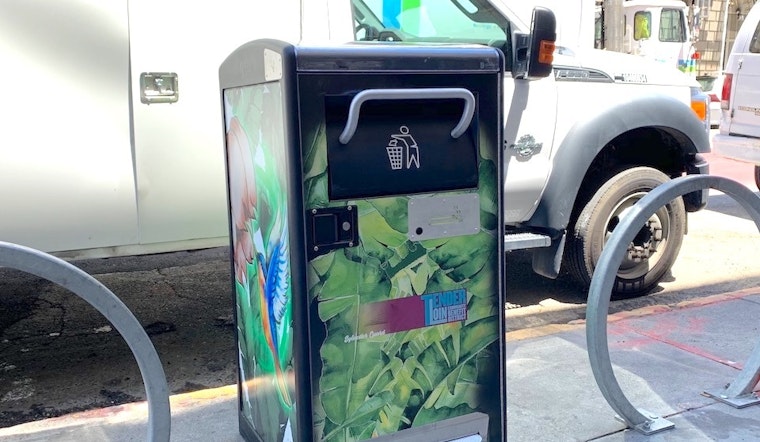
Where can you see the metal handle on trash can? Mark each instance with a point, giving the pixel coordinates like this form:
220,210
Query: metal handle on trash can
409,94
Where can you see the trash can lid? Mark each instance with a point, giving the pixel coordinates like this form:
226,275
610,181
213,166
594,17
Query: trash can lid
398,57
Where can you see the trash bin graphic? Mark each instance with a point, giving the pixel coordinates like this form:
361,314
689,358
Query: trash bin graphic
366,237
395,154
403,146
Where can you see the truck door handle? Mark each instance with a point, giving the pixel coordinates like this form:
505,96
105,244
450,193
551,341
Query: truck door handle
409,94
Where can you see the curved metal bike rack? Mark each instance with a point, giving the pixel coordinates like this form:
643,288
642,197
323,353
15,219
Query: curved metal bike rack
738,391
91,290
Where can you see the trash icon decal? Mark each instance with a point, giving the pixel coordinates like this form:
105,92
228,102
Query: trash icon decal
403,146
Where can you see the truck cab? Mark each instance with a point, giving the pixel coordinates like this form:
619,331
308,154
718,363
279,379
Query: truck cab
113,142
659,30
581,145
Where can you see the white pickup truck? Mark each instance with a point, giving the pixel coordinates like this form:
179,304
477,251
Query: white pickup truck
111,142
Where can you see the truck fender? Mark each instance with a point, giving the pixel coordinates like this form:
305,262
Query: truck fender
584,141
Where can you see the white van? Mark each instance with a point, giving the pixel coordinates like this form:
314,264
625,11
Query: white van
739,136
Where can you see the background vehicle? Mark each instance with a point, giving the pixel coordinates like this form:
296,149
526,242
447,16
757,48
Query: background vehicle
659,30
129,159
739,136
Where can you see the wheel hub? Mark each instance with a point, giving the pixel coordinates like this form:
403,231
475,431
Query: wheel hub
645,244
643,249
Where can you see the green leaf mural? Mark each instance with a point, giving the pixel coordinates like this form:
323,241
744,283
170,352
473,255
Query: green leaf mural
489,194
379,385
464,256
394,211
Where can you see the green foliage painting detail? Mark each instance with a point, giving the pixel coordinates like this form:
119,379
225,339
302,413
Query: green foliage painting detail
384,384
258,203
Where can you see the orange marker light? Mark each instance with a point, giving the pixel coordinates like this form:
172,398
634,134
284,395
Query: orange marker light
700,108
546,52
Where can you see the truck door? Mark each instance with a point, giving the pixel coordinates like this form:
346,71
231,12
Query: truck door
179,156
66,172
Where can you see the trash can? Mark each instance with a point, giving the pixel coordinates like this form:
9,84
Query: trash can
367,240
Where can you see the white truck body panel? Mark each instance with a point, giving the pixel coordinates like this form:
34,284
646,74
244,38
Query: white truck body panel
176,144
531,121
90,170
66,175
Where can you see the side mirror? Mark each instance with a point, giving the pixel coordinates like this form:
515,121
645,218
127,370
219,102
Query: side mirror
534,53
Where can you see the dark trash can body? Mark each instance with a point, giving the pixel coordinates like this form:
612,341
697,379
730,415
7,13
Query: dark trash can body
367,240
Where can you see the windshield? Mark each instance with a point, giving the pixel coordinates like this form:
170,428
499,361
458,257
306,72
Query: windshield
672,27
642,28
431,21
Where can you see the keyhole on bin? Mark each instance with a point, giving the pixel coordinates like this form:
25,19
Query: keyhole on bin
418,231
346,226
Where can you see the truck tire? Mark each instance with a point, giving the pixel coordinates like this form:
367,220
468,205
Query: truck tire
650,255
757,177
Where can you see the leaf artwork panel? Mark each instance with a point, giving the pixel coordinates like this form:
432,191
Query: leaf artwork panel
257,171
376,385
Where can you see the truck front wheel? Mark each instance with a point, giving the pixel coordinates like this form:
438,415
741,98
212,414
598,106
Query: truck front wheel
654,249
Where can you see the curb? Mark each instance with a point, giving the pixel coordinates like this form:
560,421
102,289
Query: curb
134,411
551,329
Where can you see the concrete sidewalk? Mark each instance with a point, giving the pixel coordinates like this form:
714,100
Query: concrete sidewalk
664,358
205,415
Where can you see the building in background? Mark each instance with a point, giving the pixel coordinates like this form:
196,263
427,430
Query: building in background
716,23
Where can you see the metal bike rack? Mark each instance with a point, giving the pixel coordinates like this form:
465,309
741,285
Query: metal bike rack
739,392
88,288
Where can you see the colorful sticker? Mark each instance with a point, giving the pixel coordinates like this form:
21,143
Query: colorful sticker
409,313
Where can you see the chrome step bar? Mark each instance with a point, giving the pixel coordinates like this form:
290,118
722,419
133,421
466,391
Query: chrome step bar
520,241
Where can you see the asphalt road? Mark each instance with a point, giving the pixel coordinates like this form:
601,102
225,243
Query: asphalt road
58,355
